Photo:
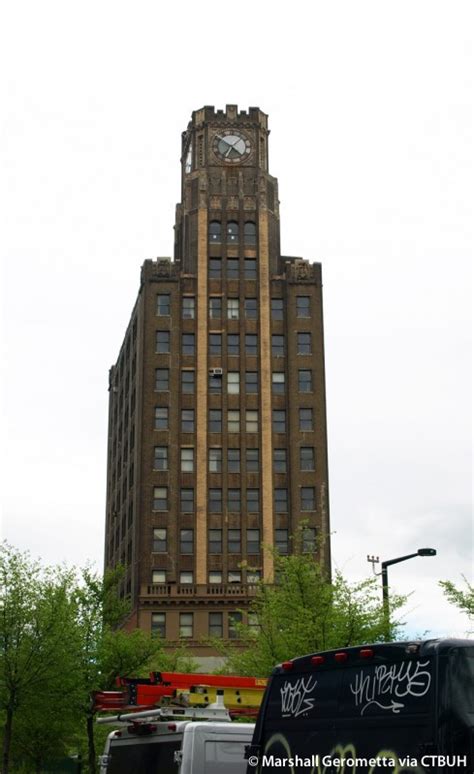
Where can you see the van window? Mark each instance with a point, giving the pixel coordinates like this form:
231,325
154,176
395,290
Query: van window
225,756
143,757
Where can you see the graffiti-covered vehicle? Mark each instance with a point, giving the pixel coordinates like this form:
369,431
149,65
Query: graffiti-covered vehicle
403,706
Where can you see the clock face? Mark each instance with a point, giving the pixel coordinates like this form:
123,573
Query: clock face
231,147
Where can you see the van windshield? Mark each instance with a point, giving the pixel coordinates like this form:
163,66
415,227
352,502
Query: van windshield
148,757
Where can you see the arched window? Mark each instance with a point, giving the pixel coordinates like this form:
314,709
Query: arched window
250,233
214,231
232,231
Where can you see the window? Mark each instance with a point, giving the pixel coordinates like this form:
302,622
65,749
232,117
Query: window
158,625
277,309
186,576
188,309
303,306
278,383
232,268
253,576
232,308
233,421
215,577
215,420
306,458
216,625
281,541
159,540
160,458
234,576
233,460
252,500
251,460
187,381
279,421
251,421
215,380
232,231
215,307
163,304
187,420
251,382
158,576
161,418
306,419
215,543
233,541
235,619
162,379
215,500
214,231
215,268
308,498
187,500
162,342
160,498
186,624
188,344
279,460
251,343
215,460
215,344
187,460
309,540
303,341
250,234
305,381
278,346
233,500
233,344
250,308
250,267
186,541
281,500
233,382
253,542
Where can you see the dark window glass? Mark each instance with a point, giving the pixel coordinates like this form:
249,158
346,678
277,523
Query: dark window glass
215,378
308,501
233,500
216,625
279,460
163,304
215,541
186,497
160,458
188,309
235,619
215,460
161,417
162,379
253,542
306,458
187,420
159,540
215,344
306,419
233,541
233,344
186,624
232,268
250,268
215,308
303,306
215,500
305,381
250,233
188,344
233,460
232,231
250,306
158,625
215,420
281,541
279,421
303,343
251,342
281,500
277,309
186,541
251,460
252,500
214,231
234,576
160,498
162,342
187,381
251,381
278,345
215,268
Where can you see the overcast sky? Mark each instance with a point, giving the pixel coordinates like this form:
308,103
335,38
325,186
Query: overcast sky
370,112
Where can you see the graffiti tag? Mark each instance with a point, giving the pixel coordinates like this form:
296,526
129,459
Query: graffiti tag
388,684
294,697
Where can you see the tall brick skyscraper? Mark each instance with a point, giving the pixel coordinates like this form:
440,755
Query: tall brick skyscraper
217,420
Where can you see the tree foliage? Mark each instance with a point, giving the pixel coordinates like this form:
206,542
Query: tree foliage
463,599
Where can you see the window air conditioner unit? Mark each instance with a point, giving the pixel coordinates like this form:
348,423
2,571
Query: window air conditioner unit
216,371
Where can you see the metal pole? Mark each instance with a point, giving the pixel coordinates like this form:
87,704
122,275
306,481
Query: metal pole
386,605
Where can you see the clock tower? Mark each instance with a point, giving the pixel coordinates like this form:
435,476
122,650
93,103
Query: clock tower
223,421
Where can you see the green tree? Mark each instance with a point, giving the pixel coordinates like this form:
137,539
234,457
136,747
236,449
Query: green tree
305,612
463,599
